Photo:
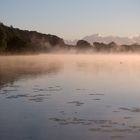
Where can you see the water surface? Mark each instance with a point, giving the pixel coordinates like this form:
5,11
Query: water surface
86,97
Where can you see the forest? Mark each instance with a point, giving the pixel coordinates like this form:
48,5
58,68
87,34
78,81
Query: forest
14,41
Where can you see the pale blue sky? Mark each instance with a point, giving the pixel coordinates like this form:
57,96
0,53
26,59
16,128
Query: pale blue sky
73,19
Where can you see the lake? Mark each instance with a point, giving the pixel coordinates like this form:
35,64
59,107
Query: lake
70,97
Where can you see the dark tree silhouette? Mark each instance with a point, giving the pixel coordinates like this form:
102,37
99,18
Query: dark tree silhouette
83,44
3,43
16,40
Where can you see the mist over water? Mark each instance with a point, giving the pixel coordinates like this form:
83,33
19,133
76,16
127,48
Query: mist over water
70,96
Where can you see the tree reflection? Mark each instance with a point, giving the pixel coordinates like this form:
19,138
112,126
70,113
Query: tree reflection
13,68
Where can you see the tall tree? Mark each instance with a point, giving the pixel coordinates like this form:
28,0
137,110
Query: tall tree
3,43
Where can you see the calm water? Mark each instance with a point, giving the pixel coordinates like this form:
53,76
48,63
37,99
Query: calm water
70,97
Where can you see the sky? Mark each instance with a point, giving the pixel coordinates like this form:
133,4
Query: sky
73,19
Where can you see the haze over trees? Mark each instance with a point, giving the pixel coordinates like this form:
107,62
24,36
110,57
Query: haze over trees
14,40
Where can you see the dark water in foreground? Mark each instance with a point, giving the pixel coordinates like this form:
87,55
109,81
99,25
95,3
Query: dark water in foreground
69,97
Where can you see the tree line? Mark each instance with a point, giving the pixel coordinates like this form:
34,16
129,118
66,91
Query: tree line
14,40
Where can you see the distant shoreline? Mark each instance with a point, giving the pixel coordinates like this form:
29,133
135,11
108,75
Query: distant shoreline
16,41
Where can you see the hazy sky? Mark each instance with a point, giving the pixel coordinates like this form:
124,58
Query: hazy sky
73,19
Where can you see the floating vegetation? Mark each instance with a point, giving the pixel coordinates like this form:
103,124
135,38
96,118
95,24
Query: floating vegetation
68,121
116,111
50,89
9,90
134,109
37,99
17,96
101,121
96,99
76,120
127,118
112,130
39,89
106,126
99,126
77,103
40,95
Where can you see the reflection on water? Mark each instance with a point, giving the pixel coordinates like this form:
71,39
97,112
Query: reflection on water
17,67
70,97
